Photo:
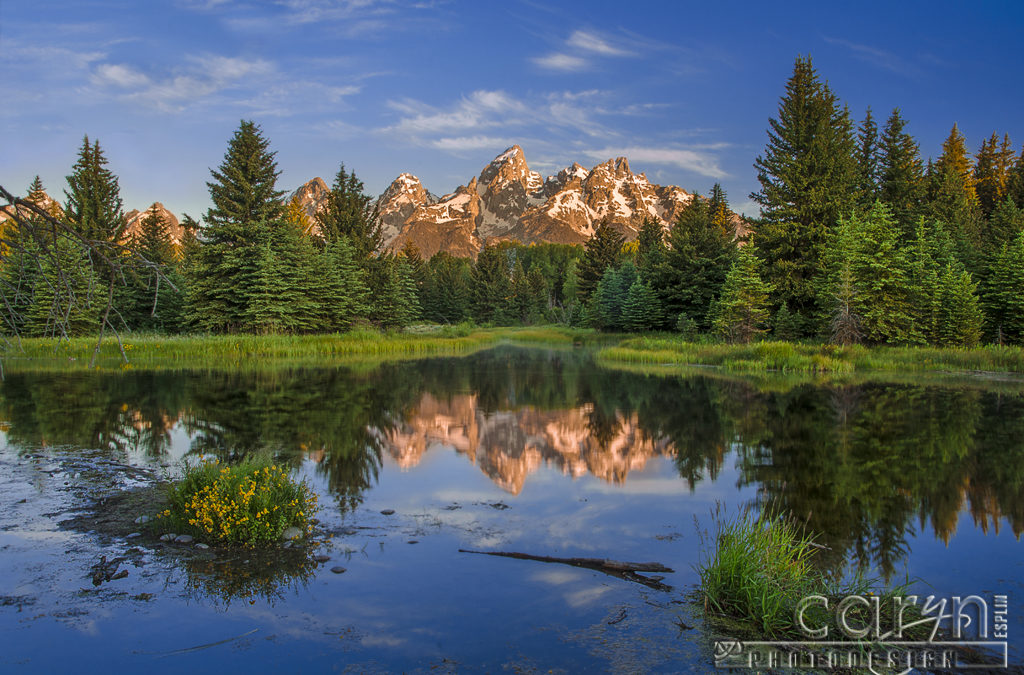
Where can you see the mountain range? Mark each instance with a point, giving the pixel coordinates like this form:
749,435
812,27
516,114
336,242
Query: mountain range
506,201
509,201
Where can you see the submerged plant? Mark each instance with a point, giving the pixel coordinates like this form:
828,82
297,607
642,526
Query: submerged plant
250,504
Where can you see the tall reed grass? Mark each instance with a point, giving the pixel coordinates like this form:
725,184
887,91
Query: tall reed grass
788,357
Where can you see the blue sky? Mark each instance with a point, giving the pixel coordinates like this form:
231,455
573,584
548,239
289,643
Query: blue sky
684,89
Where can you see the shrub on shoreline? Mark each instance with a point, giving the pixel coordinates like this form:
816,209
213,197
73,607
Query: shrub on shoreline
249,504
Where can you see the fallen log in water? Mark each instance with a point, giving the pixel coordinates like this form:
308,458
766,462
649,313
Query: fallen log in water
616,568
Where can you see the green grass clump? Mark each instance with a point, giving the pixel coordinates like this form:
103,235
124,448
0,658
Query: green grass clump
250,504
762,567
759,570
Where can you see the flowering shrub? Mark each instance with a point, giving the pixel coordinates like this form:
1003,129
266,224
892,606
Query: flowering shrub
250,504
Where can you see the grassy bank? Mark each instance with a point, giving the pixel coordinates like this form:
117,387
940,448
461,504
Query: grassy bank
786,357
254,351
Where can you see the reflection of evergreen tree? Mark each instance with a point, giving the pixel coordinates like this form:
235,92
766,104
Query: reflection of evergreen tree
866,467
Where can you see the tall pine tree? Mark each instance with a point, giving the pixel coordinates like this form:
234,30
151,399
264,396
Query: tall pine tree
250,271
694,266
901,184
808,176
868,160
601,251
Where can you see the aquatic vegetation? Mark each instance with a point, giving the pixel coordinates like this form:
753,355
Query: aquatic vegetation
761,568
795,357
250,504
247,352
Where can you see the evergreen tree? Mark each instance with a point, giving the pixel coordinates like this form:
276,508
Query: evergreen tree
281,283
953,197
927,255
695,264
808,178
94,207
784,325
961,318
66,298
901,184
650,242
448,294
1003,294
1003,226
348,214
296,214
992,171
880,273
417,269
741,312
538,290
868,161
152,302
398,305
838,297
343,292
601,251
21,250
718,210
521,302
1015,183
604,309
238,274
490,286
641,310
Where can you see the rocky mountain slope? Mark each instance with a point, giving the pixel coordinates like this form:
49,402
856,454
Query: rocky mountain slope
509,201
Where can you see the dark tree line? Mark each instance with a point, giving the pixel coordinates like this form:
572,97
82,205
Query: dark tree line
859,240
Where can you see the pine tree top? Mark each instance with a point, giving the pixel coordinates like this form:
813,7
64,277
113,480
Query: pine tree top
244,187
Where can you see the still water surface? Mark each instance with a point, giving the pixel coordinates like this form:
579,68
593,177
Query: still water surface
511,449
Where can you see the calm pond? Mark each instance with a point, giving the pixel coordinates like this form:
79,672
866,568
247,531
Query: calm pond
511,449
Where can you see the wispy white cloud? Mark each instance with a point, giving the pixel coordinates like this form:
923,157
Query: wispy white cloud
471,143
876,57
481,109
199,78
698,161
471,121
592,42
352,18
50,57
118,75
560,61
582,49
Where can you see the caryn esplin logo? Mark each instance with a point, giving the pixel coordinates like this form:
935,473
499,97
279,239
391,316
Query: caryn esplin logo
965,625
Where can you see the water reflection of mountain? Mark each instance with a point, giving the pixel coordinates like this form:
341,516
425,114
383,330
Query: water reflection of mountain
868,466
510,445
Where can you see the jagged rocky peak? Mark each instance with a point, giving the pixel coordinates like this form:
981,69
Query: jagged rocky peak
509,201
133,222
399,201
312,196
507,187
575,173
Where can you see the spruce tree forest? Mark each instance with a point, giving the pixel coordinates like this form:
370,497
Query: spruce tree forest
860,240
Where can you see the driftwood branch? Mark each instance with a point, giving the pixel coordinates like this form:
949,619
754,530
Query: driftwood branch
616,568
